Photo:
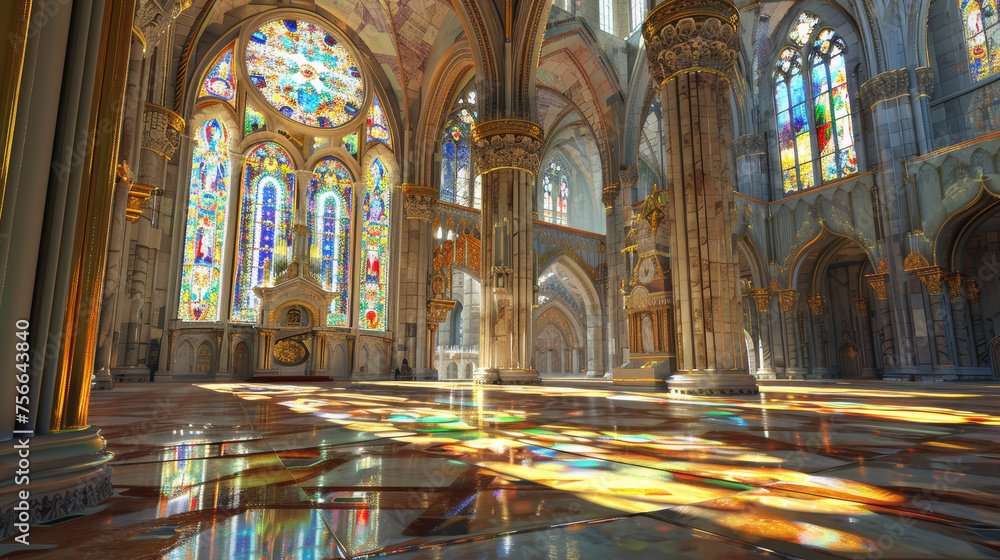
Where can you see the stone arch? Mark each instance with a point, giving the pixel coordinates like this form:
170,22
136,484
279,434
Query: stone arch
572,274
339,366
205,359
183,359
241,361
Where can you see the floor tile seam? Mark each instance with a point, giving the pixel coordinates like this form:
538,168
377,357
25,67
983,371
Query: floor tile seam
723,537
487,536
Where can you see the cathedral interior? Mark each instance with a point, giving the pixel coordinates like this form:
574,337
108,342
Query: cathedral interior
435,279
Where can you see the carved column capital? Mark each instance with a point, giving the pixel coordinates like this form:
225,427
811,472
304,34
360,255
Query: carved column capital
419,202
885,86
861,304
954,281
787,298
609,195
161,130
437,310
628,174
749,145
761,297
691,35
507,144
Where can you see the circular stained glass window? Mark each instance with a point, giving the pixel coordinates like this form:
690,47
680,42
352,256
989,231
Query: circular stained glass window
305,73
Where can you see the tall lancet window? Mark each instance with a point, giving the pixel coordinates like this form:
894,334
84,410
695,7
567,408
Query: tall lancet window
794,140
832,107
459,182
265,233
330,212
555,195
982,37
375,246
205,233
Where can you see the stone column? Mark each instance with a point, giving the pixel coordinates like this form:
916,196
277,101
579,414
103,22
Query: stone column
507,153
931,278
762,300
692,56
867,348
960,320
416,240
787,300
611,198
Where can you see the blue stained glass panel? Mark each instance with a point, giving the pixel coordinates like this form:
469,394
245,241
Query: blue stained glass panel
330,212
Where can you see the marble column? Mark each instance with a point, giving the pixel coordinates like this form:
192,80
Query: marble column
762,298
867,349
932,280
611,197
960,320
506,153
692,55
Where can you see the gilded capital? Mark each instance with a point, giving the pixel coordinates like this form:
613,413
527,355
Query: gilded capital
691,35
885,86
507,144
609,195
418,202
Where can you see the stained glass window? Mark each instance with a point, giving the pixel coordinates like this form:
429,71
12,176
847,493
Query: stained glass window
351,144
375,247
265,233
220,81
802,29
456,161
253,120
982,37
832,107
378,126
794,138
205,233
477,193
554,207
330,211
305,73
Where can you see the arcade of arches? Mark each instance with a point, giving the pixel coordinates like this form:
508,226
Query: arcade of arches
699,200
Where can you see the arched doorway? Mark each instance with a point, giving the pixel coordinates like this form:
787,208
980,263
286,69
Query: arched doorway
241,361
204,363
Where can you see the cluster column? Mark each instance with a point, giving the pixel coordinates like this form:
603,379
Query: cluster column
506,153
692,55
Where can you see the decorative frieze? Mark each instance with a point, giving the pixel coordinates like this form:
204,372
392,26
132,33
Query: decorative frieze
885,86
507,144
161,130
419,202
749,145
691,35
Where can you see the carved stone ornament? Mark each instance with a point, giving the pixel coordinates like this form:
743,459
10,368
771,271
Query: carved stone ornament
419,202
954,282
691,35
972,290
161,130
507,144
437,310
749,145
861,304
609,196
628,174
762,297
913,261
885,86
931,277
786,298
877,282
925,81
816,303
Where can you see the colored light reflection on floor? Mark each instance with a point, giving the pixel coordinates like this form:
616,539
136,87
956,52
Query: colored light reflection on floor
413,470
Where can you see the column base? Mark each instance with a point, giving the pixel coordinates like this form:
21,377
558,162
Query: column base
69,472
765,374
712,384
489,376
103,380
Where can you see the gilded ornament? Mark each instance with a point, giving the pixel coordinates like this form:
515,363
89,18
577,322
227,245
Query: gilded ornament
786,299
816,303
861,304
954,282
691,35
507,144
762,297
419,202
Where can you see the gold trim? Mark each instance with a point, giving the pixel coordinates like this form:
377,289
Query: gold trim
673,10
142,38
417,190
173,119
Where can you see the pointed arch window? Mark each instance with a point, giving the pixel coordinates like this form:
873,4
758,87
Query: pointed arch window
458,185
375,246
220,80
265,233
982,37
813,109
205,233
330,212
555,194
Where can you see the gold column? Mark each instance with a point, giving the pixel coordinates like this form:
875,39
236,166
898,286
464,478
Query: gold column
93,219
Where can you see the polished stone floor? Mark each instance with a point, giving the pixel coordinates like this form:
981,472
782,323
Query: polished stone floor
450,471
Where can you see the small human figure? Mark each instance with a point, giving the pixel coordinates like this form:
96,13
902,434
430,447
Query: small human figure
406,372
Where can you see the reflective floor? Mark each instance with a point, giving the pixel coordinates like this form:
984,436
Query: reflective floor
437,471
